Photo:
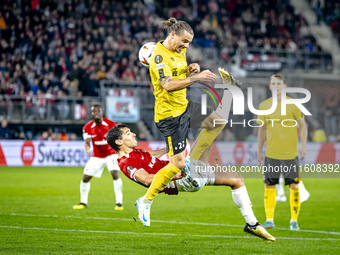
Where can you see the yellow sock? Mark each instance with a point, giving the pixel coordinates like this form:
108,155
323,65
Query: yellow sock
204,140
269,202
160,180
294,203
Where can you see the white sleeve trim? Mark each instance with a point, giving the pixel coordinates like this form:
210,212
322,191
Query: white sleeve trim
86,135
133,173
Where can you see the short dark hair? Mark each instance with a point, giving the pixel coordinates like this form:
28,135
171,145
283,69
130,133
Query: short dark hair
114,134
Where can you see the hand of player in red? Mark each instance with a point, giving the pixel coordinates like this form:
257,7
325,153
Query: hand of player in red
193,68
179,175
302,152
88,149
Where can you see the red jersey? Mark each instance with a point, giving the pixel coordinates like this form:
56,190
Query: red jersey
139,159
98,135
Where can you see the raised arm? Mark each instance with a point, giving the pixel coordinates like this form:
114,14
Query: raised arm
170,85
144,177
158,153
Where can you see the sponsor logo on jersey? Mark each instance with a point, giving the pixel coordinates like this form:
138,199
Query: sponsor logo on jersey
158,59
103,142
159,66
153,161
161,73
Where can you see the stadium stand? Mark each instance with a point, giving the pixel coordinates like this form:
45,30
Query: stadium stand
57,56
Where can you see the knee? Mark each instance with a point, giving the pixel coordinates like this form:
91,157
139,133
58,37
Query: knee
86,178
218,125
180,164
238,181
294,186
115,174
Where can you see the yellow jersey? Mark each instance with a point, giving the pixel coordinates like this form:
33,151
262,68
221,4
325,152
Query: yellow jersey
165,63
282,140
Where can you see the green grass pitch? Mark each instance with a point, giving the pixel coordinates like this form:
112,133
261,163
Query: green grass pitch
36,217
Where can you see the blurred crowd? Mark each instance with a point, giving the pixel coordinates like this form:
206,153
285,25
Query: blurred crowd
64,47
329,12
50,49
50,134
61,134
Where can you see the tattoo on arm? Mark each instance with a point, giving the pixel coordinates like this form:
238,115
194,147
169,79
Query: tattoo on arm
165,80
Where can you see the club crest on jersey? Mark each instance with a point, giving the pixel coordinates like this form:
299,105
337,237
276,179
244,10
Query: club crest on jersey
129,169
158,59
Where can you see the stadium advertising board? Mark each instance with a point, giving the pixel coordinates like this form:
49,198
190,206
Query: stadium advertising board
43,153
122,109
56,153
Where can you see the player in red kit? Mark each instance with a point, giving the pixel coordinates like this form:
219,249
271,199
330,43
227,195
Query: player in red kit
103,156
141,166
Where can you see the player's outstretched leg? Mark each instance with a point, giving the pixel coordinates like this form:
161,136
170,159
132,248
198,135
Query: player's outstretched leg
259,231
160,180
242,201
253,227
143,206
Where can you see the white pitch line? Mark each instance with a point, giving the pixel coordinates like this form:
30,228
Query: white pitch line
167,222
161,234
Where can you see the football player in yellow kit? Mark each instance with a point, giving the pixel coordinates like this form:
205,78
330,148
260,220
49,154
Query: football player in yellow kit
282,152
173,112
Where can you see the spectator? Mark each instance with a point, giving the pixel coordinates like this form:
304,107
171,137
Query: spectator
229,136
64,136
102,72
35,86
2,22
44,136
73,137
253,136
44,85
29,135
319,136
142,136
5,132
